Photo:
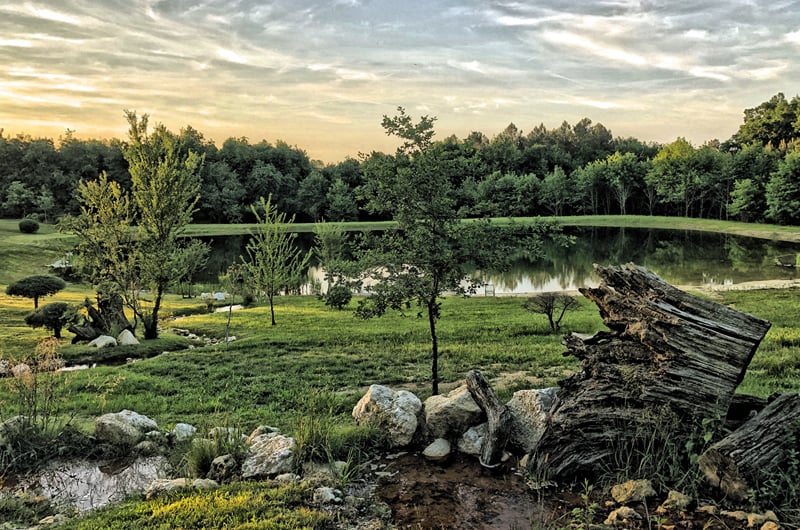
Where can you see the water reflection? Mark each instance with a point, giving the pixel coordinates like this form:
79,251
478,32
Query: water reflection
680,257
88,485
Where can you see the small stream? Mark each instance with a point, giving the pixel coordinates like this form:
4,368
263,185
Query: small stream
87,485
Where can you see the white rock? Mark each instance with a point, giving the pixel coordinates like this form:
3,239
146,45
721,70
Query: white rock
394,412
269,455
161,486
126,338
450,415
184,432
530,412
326,495
103,341
438,451
205,484
123,428
472,440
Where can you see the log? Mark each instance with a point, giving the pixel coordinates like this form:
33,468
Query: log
498,416
668,361
756,451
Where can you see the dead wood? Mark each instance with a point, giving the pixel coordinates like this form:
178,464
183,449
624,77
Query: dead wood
669,361
757,450
498,415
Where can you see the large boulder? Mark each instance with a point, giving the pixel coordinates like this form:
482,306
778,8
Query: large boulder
270,455
451,415
394,412
126,338
184,432
530,411
103,341
125,428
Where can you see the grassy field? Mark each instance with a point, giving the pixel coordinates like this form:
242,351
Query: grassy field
274,375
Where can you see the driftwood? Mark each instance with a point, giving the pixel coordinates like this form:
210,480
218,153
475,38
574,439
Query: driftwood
108,315
669,361
756,450
498,415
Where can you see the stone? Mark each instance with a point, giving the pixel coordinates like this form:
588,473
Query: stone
530,412
125,428
770,525
394,412
126,338
184,432
287,477
437,451
53,519
223,468
103,341
621,515
470,443
450,415
326,495
205,484
20,370
269,455
710,509
5,367
258,431
632,491
676,502
162,486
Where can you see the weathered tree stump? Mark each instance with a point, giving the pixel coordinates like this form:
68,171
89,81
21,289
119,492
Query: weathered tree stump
498,416
756,450
669,361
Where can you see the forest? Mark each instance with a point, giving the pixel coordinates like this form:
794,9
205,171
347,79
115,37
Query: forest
574,169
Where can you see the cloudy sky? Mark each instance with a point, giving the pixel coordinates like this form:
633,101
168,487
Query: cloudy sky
320,75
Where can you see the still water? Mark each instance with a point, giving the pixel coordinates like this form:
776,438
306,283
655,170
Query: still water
680,257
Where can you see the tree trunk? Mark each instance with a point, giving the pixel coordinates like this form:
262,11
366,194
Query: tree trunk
498,415
271,309
669,361
434,350
756,451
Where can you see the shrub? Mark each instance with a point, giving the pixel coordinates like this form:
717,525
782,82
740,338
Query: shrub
53,316
338,296
28,226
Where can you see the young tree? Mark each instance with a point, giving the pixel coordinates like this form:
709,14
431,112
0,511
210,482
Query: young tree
275,263
553,305
53,316
35,287
783,191
127,241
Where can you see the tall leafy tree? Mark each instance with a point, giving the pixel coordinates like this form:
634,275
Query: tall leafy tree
275,262
783,191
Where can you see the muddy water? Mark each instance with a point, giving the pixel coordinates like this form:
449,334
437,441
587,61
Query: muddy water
90,484
458,494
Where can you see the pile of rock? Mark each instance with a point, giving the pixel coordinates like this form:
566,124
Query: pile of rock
449,421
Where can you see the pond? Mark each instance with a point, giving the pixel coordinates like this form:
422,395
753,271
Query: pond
680,257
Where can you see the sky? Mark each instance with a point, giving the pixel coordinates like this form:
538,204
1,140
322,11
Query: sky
320,75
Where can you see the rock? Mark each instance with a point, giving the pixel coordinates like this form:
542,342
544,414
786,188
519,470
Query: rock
5,367
470,443
394,412
205,484
622,515
103,341
184,432
326,495
770,525
287,477
125,428
53,519
258,431
225,434
708,508
126,338
161,486
676,502
530,411
450,415
20,370
632,491
223,468
269,455
146,448
753,519
438,451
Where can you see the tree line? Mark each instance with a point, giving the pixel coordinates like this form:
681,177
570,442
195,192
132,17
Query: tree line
574,169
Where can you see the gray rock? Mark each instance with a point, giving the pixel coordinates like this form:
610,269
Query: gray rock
5,367
472,440
287,477
20,370
103,341
394,412
184,432
126,338
326,495
622,515
223,468
205,484
530,412
162,486
450,415
125,428
269,455
438,451
632,491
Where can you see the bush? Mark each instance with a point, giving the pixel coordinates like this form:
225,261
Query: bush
53,316
28,226
338,296
36,286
